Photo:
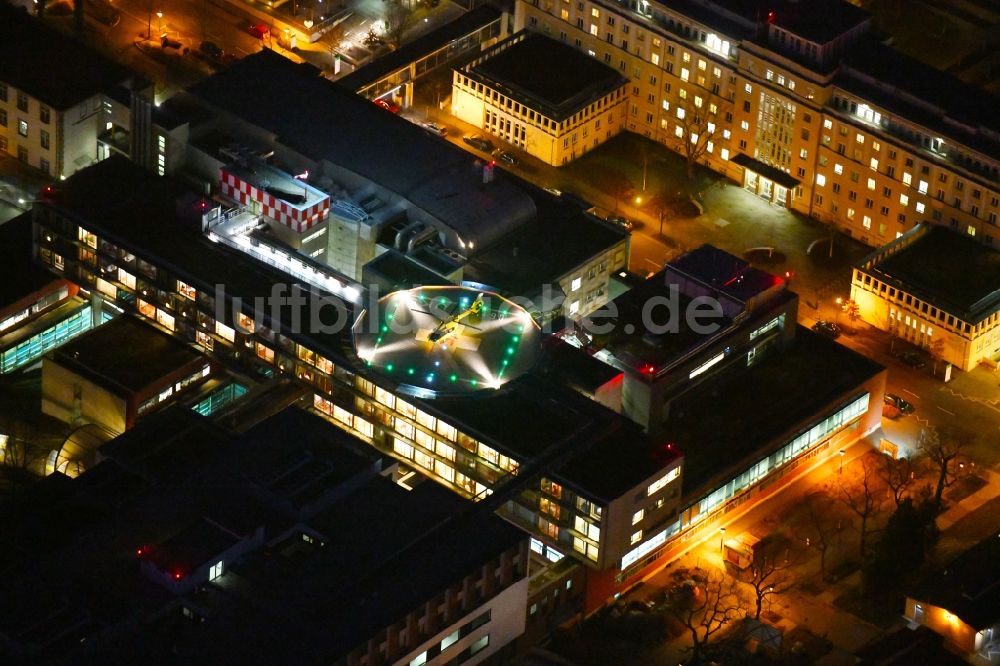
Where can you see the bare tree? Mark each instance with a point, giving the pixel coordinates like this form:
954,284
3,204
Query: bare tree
853,312
705,609
697,126
898,475
822,525
863,500
768,573
398,18
942,453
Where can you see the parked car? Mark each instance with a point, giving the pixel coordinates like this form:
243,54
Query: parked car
505,157
624,223
435,129
897,402
911,358
479,143
168,43
827,329
260,30
211,49
388,105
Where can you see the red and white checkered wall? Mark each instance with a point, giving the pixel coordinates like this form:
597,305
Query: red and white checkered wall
298,220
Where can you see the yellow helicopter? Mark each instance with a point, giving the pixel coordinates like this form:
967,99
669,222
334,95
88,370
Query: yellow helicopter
449,327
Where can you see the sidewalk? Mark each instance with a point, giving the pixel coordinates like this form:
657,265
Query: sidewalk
959,510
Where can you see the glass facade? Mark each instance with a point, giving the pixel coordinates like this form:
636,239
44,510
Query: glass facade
219,398
27,351
800,444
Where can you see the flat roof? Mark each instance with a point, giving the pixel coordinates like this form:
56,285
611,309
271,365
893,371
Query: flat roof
818,21
465,24
547,75
192,547
968,586
724,272
125,355
51,66
894,73
574,366
628,337
523,260
723,425
923,263
618,462
394,270
766,170
332,123
22,275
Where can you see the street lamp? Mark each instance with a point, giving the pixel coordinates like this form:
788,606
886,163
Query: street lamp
842,453
722,538
638,201
159,22
840,307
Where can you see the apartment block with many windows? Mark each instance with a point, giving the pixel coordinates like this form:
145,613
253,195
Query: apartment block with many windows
800,106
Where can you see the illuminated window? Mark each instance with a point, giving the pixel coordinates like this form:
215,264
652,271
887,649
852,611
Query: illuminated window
724,153
426,420
488,454
244,323
204,340
838,169
636,537
907,178
922,188
827,124
685,74
679,131
165,320
186,290
87,237
747,88
401,448
595,12
702,64
871,183
444,471
638,515
146,309
820,180
444,450
385,397
575,284
126,278
904,200
686,57
867,222
225,332
920,207
744,125
215,571
574,307
660,483
859,137
874,164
